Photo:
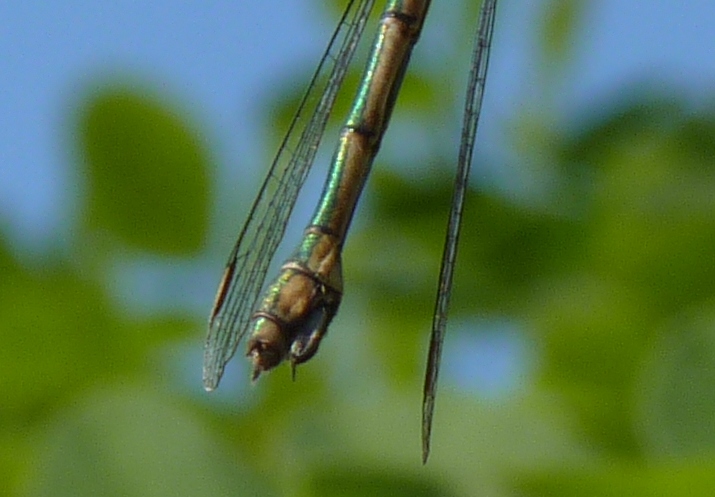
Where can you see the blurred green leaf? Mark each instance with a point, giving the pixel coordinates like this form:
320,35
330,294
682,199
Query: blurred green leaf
593,332
58,332
635,181
475,444
60,336
133,441
676,389
147,173
670,479
559,27
356,482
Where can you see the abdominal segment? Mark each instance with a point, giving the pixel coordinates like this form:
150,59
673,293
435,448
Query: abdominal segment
292,319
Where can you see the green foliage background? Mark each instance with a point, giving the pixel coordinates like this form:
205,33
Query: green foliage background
606,265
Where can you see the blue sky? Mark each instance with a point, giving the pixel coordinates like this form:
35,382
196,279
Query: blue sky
223,59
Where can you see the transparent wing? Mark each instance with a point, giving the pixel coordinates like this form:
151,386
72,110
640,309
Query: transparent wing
473,105
245,271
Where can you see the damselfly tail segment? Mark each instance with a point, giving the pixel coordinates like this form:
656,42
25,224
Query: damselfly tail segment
245,272
289,322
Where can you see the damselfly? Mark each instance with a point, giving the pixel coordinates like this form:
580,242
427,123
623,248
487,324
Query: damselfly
291,319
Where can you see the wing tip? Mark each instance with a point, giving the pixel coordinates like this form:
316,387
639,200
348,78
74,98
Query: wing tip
211,376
